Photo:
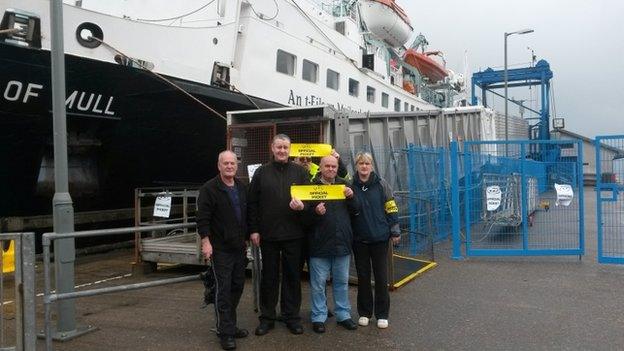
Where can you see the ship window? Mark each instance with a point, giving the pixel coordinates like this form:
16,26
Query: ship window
333,79
286,62
310,71
354,87
370,94
412,108
406,107
384,100
397,105
340,27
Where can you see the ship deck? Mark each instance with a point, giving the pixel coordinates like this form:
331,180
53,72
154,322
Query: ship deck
476,304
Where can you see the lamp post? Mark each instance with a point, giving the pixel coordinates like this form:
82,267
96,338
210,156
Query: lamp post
523,31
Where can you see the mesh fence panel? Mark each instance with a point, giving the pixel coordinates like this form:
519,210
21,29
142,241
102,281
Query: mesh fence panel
610,190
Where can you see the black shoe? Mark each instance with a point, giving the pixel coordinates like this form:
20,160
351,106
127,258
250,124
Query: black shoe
228,342
240,333
295,328
329,314
264,328
348,324
318,327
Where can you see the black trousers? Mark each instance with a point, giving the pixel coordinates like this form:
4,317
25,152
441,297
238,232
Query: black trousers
229,271
375,255
288,254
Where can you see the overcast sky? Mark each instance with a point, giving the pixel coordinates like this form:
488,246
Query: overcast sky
582,40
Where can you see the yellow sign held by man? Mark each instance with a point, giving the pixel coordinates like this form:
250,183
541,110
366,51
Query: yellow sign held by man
310,150
318,192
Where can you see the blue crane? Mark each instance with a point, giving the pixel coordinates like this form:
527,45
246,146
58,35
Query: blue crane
540,74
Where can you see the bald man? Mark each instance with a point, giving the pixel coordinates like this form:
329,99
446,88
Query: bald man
330,250
222,226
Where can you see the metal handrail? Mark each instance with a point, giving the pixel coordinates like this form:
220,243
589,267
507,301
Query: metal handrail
49,297
25,331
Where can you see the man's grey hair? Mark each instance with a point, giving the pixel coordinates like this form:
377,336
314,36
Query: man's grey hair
225,152
280,137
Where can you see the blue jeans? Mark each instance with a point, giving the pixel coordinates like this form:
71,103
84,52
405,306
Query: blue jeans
320,267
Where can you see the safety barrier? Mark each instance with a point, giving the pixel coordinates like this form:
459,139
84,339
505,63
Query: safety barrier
49,297
19,304
180,246
518,198
609,199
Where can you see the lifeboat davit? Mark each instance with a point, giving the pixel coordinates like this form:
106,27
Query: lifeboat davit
427,66
387,20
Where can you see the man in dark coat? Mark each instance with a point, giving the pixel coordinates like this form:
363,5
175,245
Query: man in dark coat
275,224
222,225
330,250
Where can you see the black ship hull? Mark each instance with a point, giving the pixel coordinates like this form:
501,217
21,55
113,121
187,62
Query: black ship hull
126,129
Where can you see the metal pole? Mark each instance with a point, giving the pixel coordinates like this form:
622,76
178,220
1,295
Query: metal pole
47,324
28,290
506,112
63,210
455,213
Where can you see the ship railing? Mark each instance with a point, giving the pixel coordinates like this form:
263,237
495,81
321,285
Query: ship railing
50,297
17,277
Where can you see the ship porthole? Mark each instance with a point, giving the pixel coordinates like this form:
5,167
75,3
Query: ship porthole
215,41
86,32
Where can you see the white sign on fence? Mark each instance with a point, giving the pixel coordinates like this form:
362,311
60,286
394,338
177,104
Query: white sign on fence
251,169
565,194
162,206
493,196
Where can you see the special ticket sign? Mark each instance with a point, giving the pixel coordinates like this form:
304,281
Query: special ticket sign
310,150
318,192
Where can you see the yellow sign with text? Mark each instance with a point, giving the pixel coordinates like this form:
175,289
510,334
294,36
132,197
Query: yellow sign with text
391,207
318,192
310,150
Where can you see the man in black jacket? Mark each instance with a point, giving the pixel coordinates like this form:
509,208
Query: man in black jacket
222,225
330,250
275,225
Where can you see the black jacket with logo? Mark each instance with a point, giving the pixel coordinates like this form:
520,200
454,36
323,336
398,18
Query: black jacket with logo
269,201
331,235
216,217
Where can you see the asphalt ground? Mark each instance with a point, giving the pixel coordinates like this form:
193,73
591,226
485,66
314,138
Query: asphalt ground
507,303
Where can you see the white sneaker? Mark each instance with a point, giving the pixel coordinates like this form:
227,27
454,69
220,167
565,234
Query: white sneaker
363,321
382,323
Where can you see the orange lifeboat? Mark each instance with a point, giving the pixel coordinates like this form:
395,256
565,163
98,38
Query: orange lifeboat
409,87
426,65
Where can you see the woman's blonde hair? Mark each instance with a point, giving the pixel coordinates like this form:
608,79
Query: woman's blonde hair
363,156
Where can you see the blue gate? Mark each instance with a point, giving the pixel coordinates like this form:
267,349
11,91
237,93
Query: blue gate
521,198
609,198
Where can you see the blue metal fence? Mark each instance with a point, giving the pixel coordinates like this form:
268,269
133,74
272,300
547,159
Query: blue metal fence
517,198
609,199
419,177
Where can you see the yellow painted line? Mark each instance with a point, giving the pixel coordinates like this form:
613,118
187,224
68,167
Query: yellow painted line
415,274
410,258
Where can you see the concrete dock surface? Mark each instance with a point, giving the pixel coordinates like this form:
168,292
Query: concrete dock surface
508,303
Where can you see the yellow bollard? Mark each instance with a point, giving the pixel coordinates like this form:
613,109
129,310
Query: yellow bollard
8,258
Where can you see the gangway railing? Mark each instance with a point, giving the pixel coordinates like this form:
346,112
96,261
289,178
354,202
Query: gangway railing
50,297
179,246
23,299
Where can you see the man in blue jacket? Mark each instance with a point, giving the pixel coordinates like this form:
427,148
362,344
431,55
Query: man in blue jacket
330,250
222,225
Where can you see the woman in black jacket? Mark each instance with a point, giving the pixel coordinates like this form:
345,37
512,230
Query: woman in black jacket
377,224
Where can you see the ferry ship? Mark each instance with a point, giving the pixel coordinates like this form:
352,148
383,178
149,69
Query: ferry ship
148,83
